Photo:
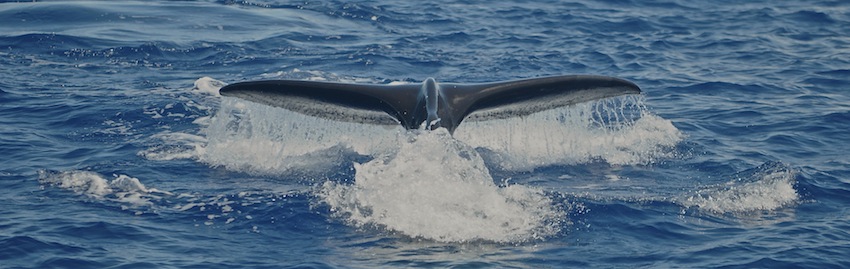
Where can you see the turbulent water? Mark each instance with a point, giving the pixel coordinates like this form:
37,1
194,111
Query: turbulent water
118,152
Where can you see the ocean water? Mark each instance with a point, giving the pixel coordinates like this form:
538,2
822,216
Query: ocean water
118,152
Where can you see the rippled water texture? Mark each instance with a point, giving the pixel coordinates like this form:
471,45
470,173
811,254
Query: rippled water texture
118,152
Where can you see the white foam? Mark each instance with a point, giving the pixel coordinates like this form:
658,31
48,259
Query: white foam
175,146
180,145
122,188
438,188
131,194
618,131
208,85
768,190
119,127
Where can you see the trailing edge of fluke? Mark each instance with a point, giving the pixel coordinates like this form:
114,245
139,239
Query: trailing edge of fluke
429,105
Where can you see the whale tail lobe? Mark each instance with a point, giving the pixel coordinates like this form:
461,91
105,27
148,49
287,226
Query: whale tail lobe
429,105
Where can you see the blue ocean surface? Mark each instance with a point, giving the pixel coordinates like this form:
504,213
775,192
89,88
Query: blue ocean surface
117,150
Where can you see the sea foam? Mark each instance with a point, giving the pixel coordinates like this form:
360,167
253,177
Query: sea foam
438,188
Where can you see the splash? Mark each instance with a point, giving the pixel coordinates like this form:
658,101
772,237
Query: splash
173,145
257,139
254,138
207,85
427,185
619,131
438,188
247,137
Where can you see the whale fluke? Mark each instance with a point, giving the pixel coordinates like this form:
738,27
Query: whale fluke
429,105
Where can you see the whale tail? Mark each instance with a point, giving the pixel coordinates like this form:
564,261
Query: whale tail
429,105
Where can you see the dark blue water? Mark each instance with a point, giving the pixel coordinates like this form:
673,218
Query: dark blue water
117,151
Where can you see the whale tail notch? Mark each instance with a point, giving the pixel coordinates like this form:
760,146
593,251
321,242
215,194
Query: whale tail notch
411,105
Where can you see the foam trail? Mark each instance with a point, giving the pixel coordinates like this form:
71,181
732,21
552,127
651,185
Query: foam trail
438,188
618,131
130,194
